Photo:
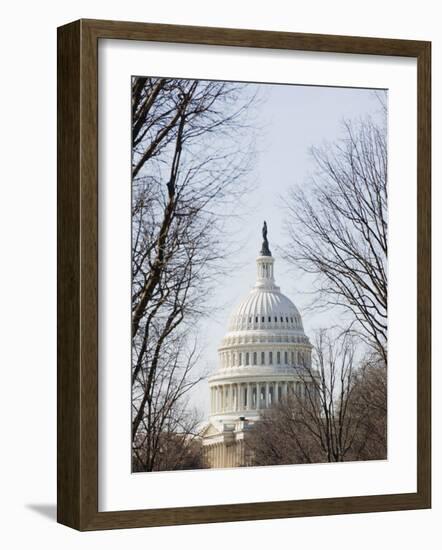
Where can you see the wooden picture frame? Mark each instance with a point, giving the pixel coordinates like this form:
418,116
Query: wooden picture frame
78,274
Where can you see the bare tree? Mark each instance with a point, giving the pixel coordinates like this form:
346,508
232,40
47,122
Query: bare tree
280,438
333,416
175,444
369,402
338,227
187,166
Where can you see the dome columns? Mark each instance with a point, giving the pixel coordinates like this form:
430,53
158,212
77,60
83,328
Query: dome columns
243,397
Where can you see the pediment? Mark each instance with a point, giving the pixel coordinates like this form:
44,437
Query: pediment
210,430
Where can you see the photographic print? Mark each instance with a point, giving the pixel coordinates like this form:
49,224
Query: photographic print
259,274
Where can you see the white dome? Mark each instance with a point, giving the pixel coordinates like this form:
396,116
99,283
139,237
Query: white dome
268,309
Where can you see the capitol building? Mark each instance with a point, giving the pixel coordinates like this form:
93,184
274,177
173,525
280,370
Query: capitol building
260,362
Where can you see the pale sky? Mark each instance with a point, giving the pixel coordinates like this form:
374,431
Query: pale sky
292,119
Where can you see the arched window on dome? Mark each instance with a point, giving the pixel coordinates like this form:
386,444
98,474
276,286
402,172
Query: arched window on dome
247,357
293,357
270,357
239,358
255,358
276,319
278,357
286,360
270,319
282,319
263,358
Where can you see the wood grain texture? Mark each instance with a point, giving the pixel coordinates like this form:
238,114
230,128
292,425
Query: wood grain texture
77,224
68,276
424,274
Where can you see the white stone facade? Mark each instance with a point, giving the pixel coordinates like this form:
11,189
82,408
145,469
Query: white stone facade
259,360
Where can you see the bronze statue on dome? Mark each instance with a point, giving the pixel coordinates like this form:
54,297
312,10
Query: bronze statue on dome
265,250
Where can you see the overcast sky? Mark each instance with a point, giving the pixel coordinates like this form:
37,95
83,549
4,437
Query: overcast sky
292,119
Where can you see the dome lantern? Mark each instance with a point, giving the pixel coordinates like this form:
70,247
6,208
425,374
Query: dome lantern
264,264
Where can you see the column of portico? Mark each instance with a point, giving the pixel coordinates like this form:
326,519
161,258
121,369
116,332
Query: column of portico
266,396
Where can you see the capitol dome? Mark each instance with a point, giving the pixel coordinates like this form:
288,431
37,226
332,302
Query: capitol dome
265,308
260,362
